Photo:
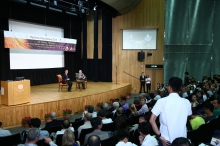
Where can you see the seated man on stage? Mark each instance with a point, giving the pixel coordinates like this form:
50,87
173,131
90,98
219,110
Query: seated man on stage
81,76
67,80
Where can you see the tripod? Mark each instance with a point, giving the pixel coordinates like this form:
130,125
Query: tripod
116,76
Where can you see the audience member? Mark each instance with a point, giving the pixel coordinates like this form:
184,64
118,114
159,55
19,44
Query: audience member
157,95
216,104
87,123
93,141
144,108
120,124
125,105
106,108
115,106
4,132
186,79
194,102
33,137
208,109
185,95
120,112
196,121
35,123
111,107
136,101
66,126
123,137
54,121
102,115
68,139
142,118
90,110
97,126
145,138
181,141
173,111
133,110
99,106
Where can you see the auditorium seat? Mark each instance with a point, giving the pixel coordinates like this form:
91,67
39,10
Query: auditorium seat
60,84
42,143
76,124
54,129
109,115
83,134
134,137
107,142
59,139
11,140
108,127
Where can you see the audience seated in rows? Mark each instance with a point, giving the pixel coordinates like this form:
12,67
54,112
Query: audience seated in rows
65,125
142,118
123,137
68,139
87,123
94,140
4,132
35,123
97,126
144,108
115,106
125,105
90,110
102,115
157,95
145,138
54,121
33,137
208,109
216,103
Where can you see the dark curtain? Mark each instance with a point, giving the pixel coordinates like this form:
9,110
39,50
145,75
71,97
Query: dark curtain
24,12
188,38
106,46
95,58
85,67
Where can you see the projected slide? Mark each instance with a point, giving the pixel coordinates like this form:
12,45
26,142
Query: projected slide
140,39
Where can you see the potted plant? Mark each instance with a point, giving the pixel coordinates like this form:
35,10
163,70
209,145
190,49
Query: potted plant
86,107
67,113
128,95
121,96
24,121
99,106
48,117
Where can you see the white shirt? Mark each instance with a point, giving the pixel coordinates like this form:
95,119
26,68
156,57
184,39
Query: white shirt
86,125
148,80
185,95
204,97
94,114
62,132
107,120
4,132
157,97
210,93
149,141
121,143
173,111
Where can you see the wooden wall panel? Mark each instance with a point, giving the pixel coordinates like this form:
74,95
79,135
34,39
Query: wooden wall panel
149,13
11,115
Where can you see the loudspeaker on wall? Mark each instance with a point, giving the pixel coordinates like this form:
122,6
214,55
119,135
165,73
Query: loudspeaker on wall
141,56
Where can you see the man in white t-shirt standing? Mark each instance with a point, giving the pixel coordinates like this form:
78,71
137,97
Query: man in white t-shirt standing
173,111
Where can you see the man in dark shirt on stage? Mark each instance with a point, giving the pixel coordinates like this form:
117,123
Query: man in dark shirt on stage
67,80
142,81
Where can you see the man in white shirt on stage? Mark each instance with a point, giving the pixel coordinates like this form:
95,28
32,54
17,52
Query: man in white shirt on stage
81,76
173,111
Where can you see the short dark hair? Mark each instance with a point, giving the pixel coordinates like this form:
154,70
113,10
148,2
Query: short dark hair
90,109
209,106
102,113
66,123
121,134
123,98
35,122
181,141
151,95
93,140
186,73
218,100
120,111
144,128
175,83
96,122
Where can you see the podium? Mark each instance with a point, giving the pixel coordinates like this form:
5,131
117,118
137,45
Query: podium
15,92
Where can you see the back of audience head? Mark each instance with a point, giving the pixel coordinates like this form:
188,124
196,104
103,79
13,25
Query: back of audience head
94,140
151,95
102,114
175,84
142,118
136,100
96,123
208,107
90,109
115,105
143,128
120,123
99,107
66,124
122,135
53,115
123,100
88,117
120,111
105,106
34,122
33,135
68,138
181,141
132,107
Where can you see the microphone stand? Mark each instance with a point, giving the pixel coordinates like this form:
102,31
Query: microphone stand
116,77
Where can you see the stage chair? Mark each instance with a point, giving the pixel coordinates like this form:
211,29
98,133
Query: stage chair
59,77
78,82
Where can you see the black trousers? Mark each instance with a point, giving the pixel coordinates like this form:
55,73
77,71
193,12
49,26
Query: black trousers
142,85
148,87
70,85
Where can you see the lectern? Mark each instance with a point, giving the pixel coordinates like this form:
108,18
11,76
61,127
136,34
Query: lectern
15,92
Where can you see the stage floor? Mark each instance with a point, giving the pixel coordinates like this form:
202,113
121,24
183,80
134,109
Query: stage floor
49,92
46,98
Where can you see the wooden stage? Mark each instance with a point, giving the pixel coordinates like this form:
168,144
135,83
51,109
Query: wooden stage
46,98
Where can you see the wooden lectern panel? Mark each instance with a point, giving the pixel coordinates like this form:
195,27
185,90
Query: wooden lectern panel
15,92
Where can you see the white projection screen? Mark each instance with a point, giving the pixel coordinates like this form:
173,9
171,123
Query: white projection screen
139,39
35,59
